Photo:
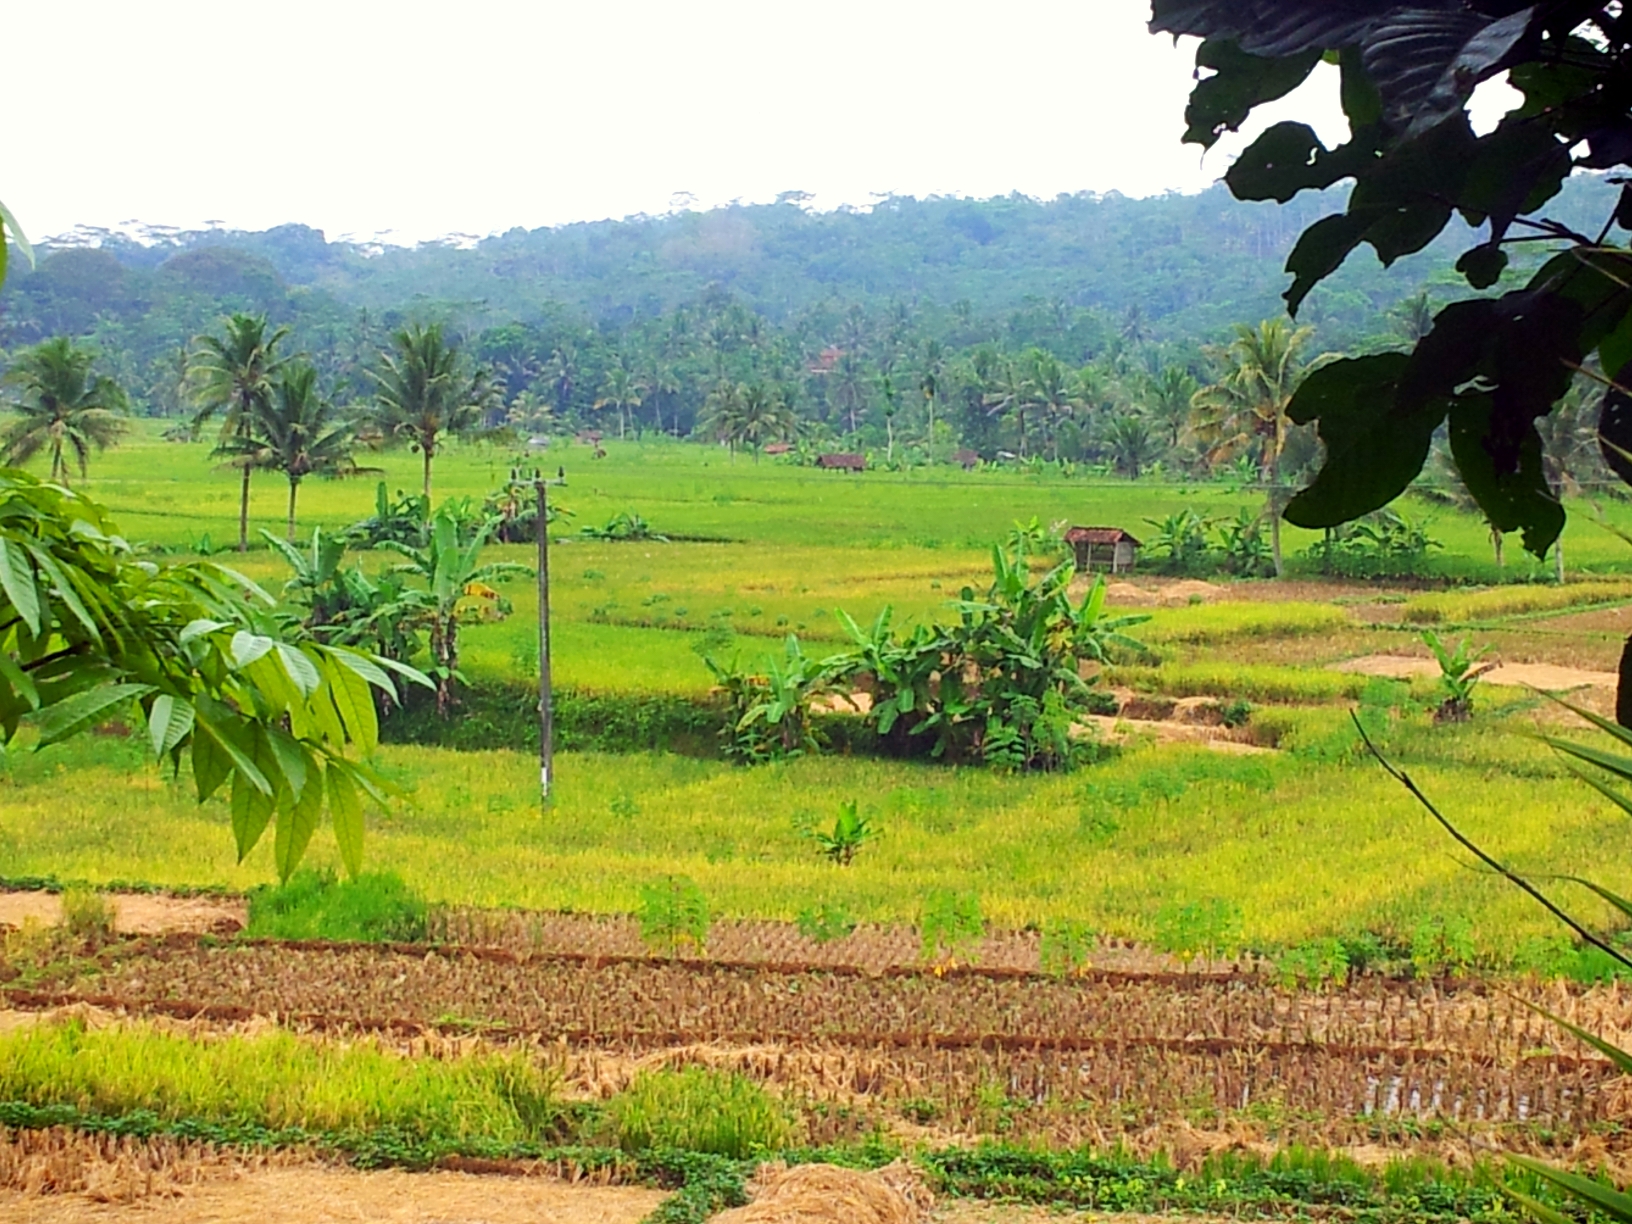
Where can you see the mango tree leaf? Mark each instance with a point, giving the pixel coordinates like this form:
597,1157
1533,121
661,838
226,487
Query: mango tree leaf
248,647
299,668
168,722
196,629
251,813
297,821
346,809
354,700
17,580
84,709
211,764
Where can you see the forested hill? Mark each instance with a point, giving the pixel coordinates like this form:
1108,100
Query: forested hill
1075,276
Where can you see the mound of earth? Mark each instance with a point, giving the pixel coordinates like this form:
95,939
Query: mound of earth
827,1194
1158,594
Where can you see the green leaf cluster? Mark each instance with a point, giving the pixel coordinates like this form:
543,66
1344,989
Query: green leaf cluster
89,633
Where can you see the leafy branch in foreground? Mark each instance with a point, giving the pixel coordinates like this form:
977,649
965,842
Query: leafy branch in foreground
1589,1193
1491,368
89,634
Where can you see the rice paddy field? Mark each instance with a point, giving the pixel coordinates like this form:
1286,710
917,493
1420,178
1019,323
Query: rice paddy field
1232,933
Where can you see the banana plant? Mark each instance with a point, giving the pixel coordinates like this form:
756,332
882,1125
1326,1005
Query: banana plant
458,590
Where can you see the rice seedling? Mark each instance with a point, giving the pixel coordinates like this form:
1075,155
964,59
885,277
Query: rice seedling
276,1080
1498,603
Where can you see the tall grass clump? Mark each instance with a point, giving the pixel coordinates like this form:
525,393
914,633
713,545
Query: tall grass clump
276,1080
700,1110
1459,607
1265,682
372,908
1216,624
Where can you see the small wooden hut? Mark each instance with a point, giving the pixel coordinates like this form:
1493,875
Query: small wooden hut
968,460
777,448
842,462
1103,548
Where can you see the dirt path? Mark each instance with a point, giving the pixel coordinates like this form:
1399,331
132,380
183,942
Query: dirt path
136,913
320,1195
1545,676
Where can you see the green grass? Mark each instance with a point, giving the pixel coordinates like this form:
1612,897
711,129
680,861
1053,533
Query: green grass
275,1080
316,905
1311,842
1461,607
699,1110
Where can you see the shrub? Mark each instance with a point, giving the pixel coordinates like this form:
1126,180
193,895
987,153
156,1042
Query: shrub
674,914
697,1109
950,924
824,922
373,908
1205,929
87,915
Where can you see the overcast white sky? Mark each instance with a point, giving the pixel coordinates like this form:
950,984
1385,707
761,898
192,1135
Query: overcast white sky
413,120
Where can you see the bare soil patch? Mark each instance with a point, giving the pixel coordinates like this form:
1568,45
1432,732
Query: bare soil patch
136,913
142,1183
1546,676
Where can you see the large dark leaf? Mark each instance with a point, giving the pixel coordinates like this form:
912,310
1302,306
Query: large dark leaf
1238,82
1320,251
1373,448
1289,158
1424,58
1512,491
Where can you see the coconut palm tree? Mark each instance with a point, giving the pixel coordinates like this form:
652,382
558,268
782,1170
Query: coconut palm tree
621,390
1168,397
1049,394
723,414
764,417
1244,411
1133,443
425,392
299,433
1008,390
230,376
931,383
64,407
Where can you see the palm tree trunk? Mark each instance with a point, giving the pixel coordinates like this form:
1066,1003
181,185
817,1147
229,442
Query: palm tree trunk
929,443
243,513
425,452
1558,560
294,486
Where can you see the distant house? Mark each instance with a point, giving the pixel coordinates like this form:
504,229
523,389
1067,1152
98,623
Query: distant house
967,459
777,448
826,360
842,462
1107,548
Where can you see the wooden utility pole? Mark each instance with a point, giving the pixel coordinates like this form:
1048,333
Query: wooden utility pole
546,705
